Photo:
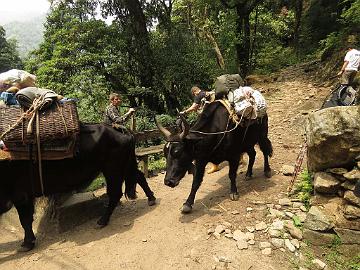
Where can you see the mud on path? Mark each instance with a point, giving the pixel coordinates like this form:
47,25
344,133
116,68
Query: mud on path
160,237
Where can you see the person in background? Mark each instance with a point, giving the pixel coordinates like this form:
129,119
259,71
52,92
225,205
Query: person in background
350,67
199,96
112,115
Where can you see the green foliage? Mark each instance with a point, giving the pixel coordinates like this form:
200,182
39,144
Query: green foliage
279,58
304,188
9,56
337,260
98,183
157,163
320,19
296,221
329,45
181,61
272,43
354,263
351,15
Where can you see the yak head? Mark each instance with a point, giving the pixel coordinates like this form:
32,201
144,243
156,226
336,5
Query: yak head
178,153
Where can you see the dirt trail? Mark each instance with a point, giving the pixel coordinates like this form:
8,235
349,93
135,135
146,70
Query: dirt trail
160,237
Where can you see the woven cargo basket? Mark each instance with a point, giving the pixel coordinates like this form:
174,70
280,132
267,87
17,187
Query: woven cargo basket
59,121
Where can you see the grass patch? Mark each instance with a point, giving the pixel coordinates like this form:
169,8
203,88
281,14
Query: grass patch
98,183
338,261
157,162
304,188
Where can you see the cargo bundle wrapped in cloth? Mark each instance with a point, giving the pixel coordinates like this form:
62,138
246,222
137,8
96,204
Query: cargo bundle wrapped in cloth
46,125
244,103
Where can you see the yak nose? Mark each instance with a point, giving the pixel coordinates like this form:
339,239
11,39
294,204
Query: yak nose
169,183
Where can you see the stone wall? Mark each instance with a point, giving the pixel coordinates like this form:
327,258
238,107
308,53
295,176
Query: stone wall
333,137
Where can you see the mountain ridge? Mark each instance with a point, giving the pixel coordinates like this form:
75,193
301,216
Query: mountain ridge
28,33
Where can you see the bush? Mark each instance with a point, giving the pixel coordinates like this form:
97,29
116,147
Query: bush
305,187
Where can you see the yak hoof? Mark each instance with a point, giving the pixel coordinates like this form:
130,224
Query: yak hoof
234,196
186,209
151,201
267,174
25,247
101,223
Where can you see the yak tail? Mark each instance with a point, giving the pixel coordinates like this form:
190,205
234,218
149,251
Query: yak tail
266,146
264,142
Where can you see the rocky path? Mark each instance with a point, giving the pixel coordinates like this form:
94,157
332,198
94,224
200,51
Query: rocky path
252,233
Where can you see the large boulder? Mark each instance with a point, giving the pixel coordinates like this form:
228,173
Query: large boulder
333,137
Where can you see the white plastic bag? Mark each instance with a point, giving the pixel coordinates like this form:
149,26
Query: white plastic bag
18,78
248,103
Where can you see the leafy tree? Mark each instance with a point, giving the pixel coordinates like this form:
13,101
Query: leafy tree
243,10
9,57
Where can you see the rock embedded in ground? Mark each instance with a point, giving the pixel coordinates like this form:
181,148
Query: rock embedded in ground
277,242
287,170
318,238
317,220
326,183
318,264
241,244
239,235
250,228
274,233
350,197
219,229
263,245
353,175
260,226
285,202
289,245
266,251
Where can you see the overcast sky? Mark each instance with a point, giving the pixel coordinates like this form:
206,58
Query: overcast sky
21,10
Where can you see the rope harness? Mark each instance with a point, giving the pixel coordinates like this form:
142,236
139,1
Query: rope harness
232,116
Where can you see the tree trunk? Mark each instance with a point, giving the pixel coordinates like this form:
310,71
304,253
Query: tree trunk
219,57
298,16
243,45
142,53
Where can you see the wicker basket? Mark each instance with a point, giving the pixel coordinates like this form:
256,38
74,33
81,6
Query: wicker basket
59,121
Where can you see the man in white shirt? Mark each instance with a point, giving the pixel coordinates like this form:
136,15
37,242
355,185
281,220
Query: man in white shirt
350,67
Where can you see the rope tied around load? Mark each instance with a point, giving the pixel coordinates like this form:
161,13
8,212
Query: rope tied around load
28,114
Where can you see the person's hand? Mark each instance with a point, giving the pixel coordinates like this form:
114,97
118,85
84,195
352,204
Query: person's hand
131,110
340,72
183,112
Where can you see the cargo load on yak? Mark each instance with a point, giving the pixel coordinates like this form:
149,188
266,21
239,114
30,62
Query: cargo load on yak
44,126
247,102
226,83
16,78
11,82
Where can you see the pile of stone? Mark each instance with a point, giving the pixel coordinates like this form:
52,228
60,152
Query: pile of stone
276,232
333,140
335,208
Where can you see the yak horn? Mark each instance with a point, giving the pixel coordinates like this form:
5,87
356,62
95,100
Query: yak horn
163,130
185,127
